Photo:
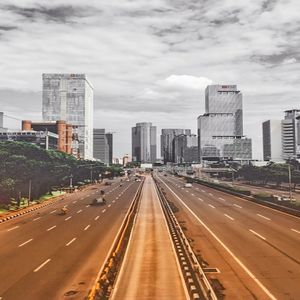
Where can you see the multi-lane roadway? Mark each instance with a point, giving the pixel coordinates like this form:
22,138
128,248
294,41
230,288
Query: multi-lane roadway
256,249
45,255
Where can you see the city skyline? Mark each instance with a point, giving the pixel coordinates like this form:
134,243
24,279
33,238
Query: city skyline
189,45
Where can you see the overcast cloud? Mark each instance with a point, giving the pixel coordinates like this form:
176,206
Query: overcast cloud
151,60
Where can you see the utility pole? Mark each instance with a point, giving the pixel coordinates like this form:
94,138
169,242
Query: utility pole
91,175
29,192
290,181
71,181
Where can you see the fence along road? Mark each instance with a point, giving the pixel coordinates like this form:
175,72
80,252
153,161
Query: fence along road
150,269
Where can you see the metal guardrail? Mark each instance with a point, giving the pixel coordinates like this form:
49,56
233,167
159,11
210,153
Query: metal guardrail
105,281
196,281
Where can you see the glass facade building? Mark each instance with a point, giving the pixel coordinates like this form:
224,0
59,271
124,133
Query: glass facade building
220,129
166,142
185,148
69,97
144,143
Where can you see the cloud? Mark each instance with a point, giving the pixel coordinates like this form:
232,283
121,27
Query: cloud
151,60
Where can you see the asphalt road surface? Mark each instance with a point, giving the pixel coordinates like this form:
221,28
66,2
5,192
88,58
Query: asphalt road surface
150,269
45,255
261,245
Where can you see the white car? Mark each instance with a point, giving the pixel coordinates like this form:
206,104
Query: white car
188,185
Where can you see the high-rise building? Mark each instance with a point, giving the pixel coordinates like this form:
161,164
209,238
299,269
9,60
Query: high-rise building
69,97
272,144
101,146
166,142
2,129
185,147
220,129
290,127
144,143
109,138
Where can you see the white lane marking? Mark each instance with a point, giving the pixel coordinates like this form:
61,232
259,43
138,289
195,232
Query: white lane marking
192,194
295,230
210,194
53,211
10,229
104,210
49,229
87,227
117,198
222,199
232,219
75,201
81,199
237,206
197,188
80,210
203,191
109,205
87,205
200,199
42,265
113,201
73,240
267,292
257,234
37,218
264,217
211,206
97,218
23,244
68,218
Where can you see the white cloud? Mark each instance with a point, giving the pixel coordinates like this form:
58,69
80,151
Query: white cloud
186,82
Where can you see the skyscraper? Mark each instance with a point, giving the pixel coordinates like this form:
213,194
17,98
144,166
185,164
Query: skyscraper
290,126
166,142
103,146
272,145
185,147
220,129
69,97
144,143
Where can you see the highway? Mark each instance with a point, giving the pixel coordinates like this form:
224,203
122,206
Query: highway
150,269
45,255
256,249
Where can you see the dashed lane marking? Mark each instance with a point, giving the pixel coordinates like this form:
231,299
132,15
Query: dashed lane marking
222,199
210,194
75,201
68,218
257,234
200,199
104,210
297,231
87,227
13,228
109,205
264,217
87,205
72,241
53,211
37,218
80,210
42,265
23,244
211,206
97,218
237,206
49,229
232,219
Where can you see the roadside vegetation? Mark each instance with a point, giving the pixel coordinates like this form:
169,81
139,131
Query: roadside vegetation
27,170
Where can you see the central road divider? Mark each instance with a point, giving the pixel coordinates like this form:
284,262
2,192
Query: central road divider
105,281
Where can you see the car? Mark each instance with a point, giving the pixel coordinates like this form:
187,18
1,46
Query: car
127,180
138,180
188,185
107,183
99,201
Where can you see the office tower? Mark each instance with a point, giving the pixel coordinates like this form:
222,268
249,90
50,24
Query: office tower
69,97
220,129
185,148
291,134
126,160
101,146
2,129
109,138
144,143
272,143
166,142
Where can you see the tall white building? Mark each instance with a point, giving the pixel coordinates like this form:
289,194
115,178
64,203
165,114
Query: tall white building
69,97
144,143
220,128
272,141
290,128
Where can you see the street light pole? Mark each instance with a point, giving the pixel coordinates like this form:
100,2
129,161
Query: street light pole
29,192
290,181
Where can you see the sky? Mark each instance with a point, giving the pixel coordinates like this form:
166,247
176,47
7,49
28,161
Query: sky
150,61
